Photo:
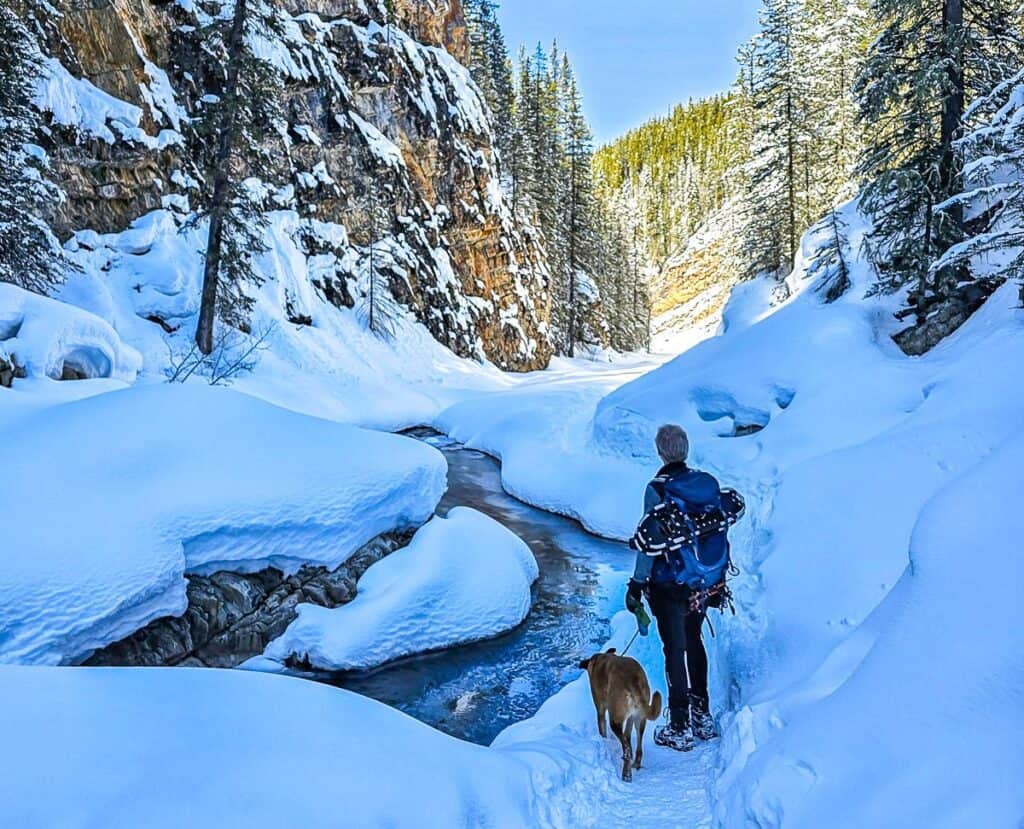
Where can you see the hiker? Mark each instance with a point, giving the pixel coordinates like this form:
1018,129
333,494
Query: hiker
681,580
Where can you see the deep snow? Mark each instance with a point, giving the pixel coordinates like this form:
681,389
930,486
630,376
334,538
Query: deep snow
174,747
109,500
464,577
871,677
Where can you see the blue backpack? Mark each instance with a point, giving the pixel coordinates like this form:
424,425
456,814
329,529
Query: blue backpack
687,530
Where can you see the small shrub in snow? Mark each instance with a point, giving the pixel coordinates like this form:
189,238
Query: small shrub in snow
234,354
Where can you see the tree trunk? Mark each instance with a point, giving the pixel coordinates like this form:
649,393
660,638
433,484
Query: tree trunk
572,255
221,185
953,101
790,177
952,117
922,290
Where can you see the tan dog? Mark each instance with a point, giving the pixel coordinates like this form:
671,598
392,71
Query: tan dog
620,690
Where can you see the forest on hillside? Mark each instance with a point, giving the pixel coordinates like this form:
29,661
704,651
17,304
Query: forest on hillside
889,101
547,153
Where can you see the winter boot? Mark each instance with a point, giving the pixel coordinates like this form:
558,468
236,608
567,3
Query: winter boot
703,726
677,735
701,721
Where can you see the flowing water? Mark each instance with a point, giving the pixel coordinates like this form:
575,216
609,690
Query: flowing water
476,690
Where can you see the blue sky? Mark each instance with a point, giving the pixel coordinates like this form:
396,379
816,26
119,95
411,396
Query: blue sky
637,58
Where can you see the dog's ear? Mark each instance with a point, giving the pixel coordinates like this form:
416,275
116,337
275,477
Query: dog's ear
610,650
585,663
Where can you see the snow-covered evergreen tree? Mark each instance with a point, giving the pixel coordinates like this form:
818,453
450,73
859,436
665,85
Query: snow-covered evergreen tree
991,202
930,57
30,255
579,208
240,115
773,199
492,69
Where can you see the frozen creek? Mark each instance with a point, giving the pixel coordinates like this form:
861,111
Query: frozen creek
475,691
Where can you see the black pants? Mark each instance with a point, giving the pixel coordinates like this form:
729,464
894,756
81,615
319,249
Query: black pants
686,661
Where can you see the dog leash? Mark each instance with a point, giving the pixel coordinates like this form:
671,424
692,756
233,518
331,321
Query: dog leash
631,641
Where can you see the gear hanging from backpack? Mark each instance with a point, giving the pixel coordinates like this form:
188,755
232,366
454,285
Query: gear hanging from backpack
688,528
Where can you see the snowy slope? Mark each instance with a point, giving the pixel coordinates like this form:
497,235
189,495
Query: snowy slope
463,578
853,685
333,368
111,499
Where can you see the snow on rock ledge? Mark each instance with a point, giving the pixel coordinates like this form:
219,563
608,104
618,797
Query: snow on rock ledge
46,337
110,500
463,578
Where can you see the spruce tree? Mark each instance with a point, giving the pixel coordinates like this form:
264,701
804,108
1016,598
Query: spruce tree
992,194
931,56
491,68
30,255
579,207
238,117
779,99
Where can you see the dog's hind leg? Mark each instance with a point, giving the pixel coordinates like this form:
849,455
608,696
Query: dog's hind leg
641,725
602,710
624,732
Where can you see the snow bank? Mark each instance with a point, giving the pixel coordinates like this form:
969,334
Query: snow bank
176,747
463,578
540,430
108,501
915,719
45,335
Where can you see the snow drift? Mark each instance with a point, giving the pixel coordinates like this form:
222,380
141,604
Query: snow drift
45,336
463,578
110,500
195,747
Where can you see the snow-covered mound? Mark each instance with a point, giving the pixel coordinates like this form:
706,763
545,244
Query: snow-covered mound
178,747
108,501
463,578
44,336
540,431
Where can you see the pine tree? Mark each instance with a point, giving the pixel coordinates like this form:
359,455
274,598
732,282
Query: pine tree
992,194
492,69
779,99
931,56
30,255
232,130
580,208
377,308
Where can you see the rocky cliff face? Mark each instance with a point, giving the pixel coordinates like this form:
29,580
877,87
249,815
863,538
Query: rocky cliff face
387,143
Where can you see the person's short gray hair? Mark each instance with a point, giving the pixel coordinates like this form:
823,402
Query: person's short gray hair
673,444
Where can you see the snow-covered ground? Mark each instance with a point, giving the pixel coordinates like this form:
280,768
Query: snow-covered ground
463,578
184,747
871,677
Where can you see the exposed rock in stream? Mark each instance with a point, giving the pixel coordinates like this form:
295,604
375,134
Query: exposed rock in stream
233,616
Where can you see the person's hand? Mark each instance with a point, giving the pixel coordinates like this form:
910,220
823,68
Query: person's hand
634,595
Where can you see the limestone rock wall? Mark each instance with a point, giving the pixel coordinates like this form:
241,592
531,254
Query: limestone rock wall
380,120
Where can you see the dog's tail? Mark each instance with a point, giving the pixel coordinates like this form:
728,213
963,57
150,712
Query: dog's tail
654,708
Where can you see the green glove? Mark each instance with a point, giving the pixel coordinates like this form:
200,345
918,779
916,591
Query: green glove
643,621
